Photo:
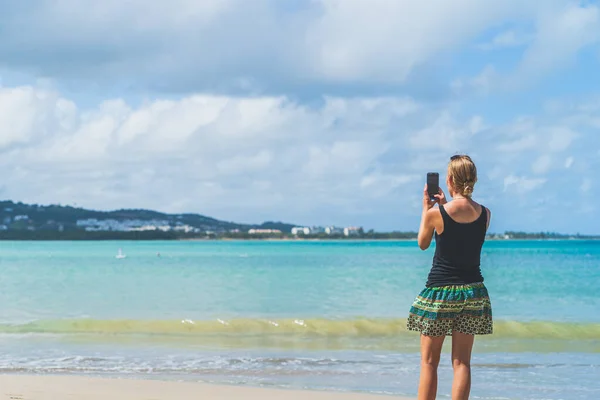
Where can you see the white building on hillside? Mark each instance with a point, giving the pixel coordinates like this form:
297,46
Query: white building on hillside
128,225
183,228
315,230
351,231
263,231
334,230
300,230
143,228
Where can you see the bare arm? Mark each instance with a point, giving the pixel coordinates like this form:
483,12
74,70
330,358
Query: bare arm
428,217
426,229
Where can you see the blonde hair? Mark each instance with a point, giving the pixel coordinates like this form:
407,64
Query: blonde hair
463,173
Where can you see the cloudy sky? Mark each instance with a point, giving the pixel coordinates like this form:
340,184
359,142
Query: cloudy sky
307,111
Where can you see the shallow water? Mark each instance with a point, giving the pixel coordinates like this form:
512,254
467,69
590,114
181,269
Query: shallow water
321,315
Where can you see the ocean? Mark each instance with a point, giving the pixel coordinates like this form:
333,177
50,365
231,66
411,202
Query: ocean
326,315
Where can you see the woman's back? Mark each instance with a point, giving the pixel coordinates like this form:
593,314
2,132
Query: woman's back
455,302
458,247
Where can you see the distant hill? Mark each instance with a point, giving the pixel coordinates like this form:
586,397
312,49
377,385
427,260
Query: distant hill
20,221
33,217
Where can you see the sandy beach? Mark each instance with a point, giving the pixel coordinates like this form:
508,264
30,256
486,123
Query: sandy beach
25,387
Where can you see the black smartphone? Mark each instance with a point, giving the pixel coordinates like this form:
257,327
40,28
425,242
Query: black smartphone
433,184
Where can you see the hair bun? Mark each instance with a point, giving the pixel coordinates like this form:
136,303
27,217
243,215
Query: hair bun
468,188
463,174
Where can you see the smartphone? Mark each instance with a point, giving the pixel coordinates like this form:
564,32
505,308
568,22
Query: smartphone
433,184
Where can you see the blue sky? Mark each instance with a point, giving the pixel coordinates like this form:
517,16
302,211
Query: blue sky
308,111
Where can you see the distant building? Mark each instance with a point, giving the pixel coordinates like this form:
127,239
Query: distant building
263,231
143,228
128,225
87,222
334,230
352,231
300,230
21,218
315,230
185,228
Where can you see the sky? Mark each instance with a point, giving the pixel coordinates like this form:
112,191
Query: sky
313,112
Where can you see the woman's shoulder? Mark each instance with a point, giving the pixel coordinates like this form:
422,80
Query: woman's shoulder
486,208
488,214
466,213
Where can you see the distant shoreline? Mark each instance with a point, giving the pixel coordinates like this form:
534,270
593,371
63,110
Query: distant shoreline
370,240
273,239
33,222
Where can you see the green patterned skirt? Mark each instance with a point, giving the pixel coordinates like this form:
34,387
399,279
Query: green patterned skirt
438,311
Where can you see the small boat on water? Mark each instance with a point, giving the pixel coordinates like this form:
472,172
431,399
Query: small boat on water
120,254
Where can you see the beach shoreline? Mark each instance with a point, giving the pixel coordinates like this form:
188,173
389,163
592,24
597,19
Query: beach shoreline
59,387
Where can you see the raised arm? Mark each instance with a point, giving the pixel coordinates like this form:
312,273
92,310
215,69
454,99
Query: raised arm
428,217
426,229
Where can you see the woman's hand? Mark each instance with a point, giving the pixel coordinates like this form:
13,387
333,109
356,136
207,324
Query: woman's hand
426,229
427,202
441,197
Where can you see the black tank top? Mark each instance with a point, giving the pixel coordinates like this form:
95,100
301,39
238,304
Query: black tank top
458,251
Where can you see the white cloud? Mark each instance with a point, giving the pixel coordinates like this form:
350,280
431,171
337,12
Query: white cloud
140,14
258,158
400,35
586,185
522,184
378,184
480,84
509,38
527,135
163,45
560,138
446,133
239,164
201,104
569,162
562,31
198,153
542,164
519,144
19,118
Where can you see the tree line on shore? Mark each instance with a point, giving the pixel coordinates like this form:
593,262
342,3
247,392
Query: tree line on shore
20,221
171,235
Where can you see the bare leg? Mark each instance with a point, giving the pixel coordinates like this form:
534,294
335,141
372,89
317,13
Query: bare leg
462,345
431,348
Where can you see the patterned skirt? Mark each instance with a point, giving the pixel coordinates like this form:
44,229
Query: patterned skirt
438,311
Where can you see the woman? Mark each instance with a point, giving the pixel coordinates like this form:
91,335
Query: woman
455,301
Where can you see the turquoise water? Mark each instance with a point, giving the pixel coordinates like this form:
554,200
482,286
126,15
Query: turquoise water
319,315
